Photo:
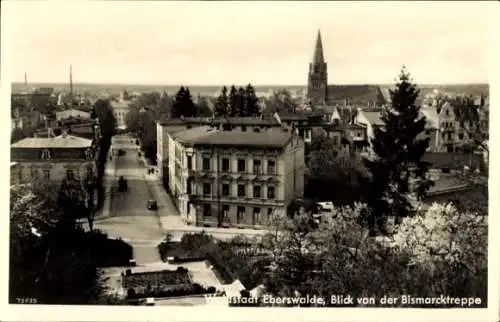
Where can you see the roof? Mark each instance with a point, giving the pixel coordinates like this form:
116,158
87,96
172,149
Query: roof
355,94
318,57
227,120
342,127
68,141
75,109
373,117
431,115
453,160
206,135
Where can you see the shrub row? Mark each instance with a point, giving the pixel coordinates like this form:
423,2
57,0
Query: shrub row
193,289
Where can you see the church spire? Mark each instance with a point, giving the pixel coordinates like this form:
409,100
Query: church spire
318,57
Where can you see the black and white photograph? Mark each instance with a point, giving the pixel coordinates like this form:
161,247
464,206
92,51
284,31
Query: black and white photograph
248,155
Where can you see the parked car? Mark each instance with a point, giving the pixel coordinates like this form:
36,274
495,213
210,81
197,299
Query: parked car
152,205
122,184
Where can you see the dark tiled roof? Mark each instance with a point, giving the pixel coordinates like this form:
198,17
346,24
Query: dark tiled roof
205,135
342,127
210,120
453,160
355,94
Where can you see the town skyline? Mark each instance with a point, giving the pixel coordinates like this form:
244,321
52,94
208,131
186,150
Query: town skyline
443,50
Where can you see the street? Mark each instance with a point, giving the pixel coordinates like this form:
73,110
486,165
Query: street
129,218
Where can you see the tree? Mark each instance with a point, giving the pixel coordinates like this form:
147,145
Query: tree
234,108
241,106
48,257
107,122
334,174
222,104
202,108
251,102
440,251
281,101
453,244
183,104
397,170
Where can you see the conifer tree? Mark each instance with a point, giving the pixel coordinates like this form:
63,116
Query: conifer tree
188,104
233,101
176,111
241,107
222,103
251,101
183,105
396,168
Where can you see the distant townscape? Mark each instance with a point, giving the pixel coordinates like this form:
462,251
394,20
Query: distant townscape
249,195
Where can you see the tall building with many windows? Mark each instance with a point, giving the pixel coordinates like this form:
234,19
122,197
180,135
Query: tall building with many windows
234,178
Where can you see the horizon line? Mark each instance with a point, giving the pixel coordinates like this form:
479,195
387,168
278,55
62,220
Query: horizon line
235,84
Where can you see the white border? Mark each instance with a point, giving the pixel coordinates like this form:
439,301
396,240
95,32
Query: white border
93,313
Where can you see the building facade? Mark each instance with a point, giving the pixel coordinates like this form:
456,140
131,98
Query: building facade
120,111
234,178
54,159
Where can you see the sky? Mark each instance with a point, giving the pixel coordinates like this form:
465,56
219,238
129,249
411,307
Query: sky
263,43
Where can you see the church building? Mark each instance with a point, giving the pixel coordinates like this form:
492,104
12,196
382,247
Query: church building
320,93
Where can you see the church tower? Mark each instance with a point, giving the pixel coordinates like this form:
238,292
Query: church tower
318,76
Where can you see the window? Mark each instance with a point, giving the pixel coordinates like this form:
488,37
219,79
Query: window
256,166
189,162
256,216
206,163
207,187
225,164
46,174
271,166
69,174
189,187
243,128
241,165
460,136
445,170
447,112
241,190
225,189
335,140
270,192
240,213
225,212
207,210
256,191
449,136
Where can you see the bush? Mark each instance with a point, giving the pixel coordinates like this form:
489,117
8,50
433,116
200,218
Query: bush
108,252
193,289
